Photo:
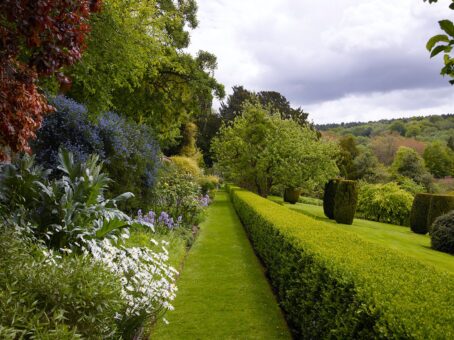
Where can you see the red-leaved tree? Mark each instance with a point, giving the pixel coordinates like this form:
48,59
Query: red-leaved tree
37,39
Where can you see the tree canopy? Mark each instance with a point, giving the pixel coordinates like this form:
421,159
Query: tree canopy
276,103
260,149
135,64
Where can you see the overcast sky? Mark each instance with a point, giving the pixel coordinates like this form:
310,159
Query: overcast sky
340,60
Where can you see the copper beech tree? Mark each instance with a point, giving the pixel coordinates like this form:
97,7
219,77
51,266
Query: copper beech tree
37,39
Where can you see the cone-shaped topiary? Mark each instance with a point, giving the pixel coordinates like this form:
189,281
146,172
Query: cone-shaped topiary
439,205
345,201
442,235
419,213
328,198
291,195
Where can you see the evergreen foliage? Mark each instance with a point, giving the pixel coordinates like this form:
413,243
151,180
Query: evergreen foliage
419,213
442,235
328,198
345,202
332,283
439,205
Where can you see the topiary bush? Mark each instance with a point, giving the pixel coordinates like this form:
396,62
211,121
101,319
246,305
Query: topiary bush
439,205
291,195
419,213
442,235
345,201
328,198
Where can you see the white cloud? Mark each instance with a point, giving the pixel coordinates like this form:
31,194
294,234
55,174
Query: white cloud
320,52
378,105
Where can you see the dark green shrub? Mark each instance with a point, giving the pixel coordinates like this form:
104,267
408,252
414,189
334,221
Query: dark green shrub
65,298
333,284
345,201
442,235
419,213
439,205
328,198
291,195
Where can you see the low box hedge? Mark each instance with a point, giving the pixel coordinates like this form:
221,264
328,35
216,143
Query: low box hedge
331,283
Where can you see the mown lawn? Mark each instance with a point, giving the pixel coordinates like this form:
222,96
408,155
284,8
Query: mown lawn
393,236
223,292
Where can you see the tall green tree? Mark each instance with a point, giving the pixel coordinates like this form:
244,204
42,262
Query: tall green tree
136,64
409,163
348,153
274,101
259,150
209,124
439,160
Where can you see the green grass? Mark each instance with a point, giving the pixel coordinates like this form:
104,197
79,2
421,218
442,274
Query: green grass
176,247
396,237
223,292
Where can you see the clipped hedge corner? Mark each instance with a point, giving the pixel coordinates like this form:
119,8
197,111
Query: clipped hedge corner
419,213
439,205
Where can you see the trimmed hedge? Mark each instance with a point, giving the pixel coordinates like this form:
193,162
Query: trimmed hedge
345,202
291,195
419,213
439,205
328,198
331,283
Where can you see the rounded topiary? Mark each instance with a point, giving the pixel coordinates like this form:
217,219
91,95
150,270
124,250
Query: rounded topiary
439,205
442,235
419,213
291,195
328,198
345,202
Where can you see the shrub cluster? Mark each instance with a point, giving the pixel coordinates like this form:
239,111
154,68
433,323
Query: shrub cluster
68,299
76,231
340,200
179,194
129,151
384,203
442,235
332,283
427,208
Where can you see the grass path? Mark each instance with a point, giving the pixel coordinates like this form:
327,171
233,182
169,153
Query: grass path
223,293
397,237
